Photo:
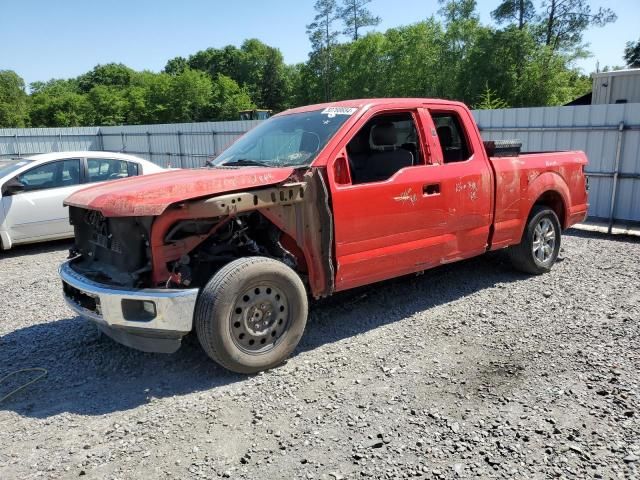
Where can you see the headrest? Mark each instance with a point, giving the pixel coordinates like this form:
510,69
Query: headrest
383,135
445,135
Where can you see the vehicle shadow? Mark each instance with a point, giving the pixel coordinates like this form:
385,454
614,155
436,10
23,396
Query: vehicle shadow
51,246
89,374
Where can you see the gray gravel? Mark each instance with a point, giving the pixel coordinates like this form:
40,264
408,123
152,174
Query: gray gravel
469,371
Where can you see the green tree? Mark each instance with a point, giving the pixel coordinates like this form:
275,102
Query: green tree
226,61
110,105
262,72
519,11
323,38
462,26
228,99
109,75
565,21
489,100
191,95
176,66
148,98
13,100
632,54
356,16
58,103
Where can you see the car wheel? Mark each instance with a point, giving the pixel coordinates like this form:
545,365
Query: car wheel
251,314
540,245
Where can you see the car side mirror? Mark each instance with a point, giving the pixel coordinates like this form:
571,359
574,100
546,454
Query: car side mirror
12,187
341,171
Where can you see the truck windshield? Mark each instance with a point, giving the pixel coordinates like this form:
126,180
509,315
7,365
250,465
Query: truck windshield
294,139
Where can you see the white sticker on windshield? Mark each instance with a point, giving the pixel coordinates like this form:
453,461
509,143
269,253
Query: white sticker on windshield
333,111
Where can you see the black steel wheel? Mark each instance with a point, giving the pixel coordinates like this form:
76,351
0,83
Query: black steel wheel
251,314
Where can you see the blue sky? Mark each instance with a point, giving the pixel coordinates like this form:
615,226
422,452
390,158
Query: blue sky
43,39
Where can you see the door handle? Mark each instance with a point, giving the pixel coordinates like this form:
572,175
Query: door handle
431,189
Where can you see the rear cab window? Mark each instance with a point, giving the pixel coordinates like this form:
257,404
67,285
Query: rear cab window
452,137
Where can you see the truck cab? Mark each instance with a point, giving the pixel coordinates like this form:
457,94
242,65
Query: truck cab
315,200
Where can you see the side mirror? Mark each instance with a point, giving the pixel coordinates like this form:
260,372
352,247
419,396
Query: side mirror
341,171
12,187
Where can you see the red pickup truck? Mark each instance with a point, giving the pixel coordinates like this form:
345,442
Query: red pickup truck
313,201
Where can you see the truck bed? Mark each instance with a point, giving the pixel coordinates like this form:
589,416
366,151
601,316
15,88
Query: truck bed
521,180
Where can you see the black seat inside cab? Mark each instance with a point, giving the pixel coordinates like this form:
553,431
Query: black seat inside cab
382,147
387,157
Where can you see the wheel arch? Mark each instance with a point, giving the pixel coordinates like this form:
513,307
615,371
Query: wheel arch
550,190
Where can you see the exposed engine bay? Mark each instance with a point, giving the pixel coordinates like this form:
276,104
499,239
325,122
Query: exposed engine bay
116,250
186,245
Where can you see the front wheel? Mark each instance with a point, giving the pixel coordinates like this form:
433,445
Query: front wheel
251,314
540,244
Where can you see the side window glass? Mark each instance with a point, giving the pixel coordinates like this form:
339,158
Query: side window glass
62,173
453,141
104,169
134,169
384,145
70,172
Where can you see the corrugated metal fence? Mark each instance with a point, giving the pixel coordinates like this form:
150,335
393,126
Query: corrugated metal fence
610,134
185,145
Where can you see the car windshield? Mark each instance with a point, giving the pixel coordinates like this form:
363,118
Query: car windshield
9,166
289,140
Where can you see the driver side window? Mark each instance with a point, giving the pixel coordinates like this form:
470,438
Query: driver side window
62,173
386,144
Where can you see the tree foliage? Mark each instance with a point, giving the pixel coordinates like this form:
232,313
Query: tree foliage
489,100
323,37
13,100
520,12
632,54
564,22
355,15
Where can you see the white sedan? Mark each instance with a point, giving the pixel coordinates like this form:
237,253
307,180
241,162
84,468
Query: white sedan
32,190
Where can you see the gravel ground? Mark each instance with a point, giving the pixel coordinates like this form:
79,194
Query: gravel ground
470,370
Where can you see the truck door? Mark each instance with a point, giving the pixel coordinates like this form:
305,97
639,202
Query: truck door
465,175
390,210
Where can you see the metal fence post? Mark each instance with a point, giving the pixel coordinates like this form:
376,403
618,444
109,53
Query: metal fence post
100,141
17,144
616,171
149,146
180,148
59,141
124,146
215,147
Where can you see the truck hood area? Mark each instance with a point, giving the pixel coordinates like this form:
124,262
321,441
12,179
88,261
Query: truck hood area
150,195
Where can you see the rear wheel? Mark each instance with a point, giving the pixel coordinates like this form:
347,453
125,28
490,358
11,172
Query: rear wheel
251,314
540,245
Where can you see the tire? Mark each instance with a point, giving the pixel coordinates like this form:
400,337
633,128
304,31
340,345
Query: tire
251,314
539,258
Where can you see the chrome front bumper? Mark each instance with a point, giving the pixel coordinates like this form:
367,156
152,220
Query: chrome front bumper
159,326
